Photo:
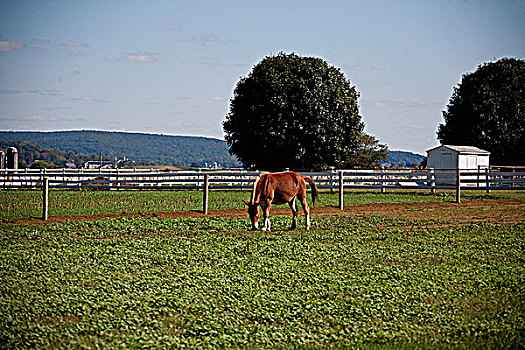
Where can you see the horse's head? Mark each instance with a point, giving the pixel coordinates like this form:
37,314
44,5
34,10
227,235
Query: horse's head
253,212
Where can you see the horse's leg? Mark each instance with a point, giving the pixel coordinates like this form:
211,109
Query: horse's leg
293,206
306,210
266,215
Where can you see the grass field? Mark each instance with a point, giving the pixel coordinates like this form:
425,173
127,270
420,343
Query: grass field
359,281
28,203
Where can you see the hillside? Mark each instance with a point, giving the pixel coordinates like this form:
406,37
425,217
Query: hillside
147,149
29,152
402,159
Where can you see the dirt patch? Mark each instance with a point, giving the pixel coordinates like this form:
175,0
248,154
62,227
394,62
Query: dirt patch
511,211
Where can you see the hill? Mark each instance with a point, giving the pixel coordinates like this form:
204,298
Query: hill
29,152
147,149
403,159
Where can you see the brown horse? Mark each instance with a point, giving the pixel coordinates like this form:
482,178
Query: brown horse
280,188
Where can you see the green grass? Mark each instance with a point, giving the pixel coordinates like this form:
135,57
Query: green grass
148,282
28,203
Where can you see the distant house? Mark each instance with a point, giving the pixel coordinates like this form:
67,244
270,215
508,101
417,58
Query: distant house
95,164
443,159
70,165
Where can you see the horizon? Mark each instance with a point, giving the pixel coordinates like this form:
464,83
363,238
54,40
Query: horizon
170,68
154,134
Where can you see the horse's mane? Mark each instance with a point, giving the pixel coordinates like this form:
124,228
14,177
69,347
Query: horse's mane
252,199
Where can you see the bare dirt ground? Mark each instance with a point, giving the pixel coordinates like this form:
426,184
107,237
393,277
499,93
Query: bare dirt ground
509,212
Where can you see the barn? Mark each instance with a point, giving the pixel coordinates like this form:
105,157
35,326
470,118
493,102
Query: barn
448,157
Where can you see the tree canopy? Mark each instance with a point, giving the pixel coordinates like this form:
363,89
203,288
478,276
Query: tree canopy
487,110
301,113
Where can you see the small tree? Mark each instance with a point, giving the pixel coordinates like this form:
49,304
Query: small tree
487,110
43,164
298,112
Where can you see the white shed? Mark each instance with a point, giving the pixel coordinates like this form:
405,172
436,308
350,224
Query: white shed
453,157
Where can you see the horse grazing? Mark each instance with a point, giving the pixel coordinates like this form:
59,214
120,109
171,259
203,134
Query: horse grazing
280,188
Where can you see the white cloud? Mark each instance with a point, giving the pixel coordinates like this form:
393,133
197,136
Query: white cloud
40,42
395,104
39,118
88,99
205,39
140,58
225,65
74,44
358,67
10,91
6,46
218,98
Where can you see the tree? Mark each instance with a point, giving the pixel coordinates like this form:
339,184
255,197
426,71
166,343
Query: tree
487,110
43,164
297,112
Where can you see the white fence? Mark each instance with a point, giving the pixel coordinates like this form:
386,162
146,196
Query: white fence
118,179
133,179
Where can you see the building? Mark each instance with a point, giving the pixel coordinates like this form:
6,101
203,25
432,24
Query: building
95,164
453,157
444,159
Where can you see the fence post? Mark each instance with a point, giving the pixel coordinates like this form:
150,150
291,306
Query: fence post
382,177
341,188
205,195
332,171
432,182
487,178
45,198
458,185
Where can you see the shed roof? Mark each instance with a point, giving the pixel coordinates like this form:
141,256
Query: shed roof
463,149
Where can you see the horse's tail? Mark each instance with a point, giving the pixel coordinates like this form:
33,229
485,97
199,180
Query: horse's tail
313,188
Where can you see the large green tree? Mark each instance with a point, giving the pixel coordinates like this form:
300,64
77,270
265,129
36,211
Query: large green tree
300,113
487,110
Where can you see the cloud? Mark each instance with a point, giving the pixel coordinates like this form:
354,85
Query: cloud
52,92
205,39
174,26
395,104
88,99
6,46
40,42
412,127
225,65
45,118
39,118
218,98
10,92
358,67
56,108
74,44
140,58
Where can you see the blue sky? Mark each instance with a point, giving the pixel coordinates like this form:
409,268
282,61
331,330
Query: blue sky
171,66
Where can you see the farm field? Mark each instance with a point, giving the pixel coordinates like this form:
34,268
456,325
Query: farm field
417,274
28,203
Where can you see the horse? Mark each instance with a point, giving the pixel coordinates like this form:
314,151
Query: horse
280,188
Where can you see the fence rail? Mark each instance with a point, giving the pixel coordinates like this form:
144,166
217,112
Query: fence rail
119,179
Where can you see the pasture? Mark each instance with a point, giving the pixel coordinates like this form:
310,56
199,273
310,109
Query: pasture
28,203
431,274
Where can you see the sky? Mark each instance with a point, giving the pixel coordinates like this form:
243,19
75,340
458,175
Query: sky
170,67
